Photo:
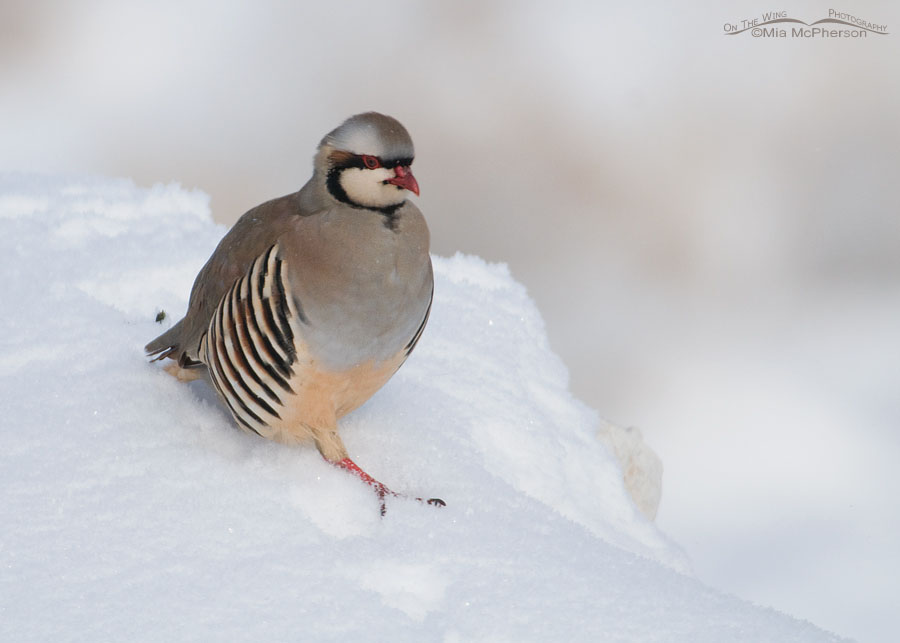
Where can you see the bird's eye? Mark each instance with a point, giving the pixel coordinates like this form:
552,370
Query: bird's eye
371,162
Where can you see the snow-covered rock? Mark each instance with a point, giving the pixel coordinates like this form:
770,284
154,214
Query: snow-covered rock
134,510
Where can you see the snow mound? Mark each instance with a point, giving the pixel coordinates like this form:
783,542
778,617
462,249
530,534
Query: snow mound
134,510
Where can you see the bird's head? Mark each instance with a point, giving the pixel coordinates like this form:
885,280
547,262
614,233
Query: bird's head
366,162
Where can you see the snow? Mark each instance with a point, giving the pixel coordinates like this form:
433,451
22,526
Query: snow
707,223
133,509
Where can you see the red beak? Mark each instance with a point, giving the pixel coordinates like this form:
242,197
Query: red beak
403,178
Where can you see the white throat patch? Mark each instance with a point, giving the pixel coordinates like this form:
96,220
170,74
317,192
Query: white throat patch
368,188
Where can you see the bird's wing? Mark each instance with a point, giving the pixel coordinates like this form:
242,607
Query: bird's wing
253,234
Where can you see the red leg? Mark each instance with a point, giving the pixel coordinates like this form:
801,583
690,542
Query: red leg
380,489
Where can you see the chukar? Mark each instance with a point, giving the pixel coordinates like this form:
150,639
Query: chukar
312,301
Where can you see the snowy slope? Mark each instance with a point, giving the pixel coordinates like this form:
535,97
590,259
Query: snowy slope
134,510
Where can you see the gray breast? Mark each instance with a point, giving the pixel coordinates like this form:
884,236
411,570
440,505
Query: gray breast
365,288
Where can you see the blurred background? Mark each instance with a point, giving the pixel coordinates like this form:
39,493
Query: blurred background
710,224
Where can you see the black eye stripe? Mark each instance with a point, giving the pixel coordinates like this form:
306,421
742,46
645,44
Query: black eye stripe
406,162
356,160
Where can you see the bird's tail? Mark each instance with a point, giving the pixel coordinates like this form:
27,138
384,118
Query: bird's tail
166,344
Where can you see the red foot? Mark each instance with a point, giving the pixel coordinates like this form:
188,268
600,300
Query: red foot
380,489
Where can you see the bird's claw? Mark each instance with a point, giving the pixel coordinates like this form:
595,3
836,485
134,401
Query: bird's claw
381,490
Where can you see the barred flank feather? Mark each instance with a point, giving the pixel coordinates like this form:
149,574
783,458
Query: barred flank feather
249,346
